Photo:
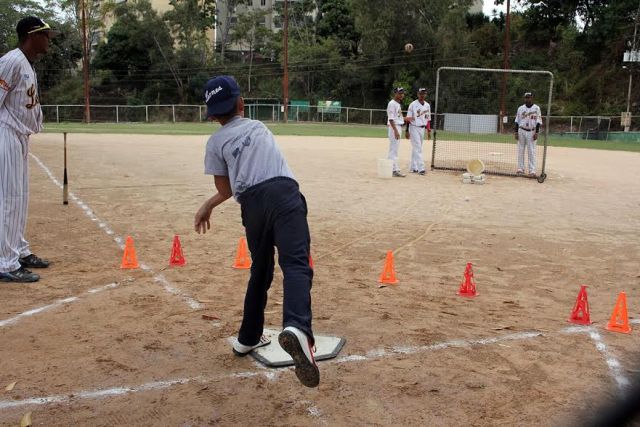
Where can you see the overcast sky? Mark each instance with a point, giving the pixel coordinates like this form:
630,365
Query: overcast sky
488,7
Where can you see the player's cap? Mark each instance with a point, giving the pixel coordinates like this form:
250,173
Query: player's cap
399,89
528,94
220,95
32,24
422,90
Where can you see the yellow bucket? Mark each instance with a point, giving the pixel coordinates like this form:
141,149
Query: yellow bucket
475,167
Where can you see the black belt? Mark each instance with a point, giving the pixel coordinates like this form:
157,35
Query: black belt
418,126
528,130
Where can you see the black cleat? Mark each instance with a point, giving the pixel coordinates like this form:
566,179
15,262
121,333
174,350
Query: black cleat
33,261
296,343
21,275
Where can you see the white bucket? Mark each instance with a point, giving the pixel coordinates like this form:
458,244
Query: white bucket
385,168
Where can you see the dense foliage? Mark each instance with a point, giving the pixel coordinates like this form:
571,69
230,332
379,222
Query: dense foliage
347,50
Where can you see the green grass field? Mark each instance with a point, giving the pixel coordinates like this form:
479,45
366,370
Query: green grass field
310,129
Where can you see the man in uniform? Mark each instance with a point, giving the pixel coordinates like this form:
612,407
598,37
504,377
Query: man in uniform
20,117
527,127
419,117
395,121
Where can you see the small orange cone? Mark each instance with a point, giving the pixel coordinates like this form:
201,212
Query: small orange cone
177,258
243,261
388,275
580,313
129,259
619,321
310,261
468,285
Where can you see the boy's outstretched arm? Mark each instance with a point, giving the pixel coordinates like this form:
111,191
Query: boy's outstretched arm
201,222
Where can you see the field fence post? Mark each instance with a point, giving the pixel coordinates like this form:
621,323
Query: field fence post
146,113
370,117
117,115
57,114
173,112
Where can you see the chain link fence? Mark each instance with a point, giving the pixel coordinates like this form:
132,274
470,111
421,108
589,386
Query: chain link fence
579,127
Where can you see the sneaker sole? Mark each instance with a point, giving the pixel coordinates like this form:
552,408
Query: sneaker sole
237,353
4,280
307,372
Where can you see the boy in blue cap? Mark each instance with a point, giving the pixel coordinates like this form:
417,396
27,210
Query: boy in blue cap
247,164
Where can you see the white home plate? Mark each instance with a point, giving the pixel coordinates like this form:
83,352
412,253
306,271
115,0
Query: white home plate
274,356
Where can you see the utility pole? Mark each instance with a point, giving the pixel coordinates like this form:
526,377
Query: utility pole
505,64
632,57
285,62
85,63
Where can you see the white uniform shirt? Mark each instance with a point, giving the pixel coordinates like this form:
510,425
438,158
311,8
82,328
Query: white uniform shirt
527,117
420,112
394,113
19,98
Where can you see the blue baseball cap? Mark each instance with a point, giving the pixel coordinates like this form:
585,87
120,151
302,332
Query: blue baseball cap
220,95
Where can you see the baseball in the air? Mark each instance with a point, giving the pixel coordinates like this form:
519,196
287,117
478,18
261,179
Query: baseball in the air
408,48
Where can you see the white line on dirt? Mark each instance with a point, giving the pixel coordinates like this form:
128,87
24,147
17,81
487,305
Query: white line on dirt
168,287
269,374
58,303
382,353
615,368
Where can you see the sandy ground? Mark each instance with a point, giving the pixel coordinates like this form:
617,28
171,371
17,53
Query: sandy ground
133,348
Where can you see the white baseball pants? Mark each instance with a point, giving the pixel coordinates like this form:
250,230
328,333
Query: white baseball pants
416,133
393,146
14,198
525,140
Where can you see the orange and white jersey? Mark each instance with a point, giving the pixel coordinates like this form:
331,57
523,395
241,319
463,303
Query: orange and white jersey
19,98
528,117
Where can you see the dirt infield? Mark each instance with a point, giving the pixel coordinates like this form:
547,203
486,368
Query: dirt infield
133,348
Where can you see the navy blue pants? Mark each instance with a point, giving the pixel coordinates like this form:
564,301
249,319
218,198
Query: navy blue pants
274,214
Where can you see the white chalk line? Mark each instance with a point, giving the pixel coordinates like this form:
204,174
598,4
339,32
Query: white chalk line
159,278
58,303
269,374
615,368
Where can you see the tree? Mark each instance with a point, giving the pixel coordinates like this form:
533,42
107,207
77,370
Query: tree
226,17
138,52
335,20
190,21
251,32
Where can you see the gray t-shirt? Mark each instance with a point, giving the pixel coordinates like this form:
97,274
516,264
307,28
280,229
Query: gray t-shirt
245,151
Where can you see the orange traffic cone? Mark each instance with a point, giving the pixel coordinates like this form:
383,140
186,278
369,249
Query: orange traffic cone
243,261
388,275
580,314
310,261
129,259
619,321
468,285
177,258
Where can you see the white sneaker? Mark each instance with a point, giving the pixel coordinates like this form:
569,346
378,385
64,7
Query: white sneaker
242,350
296,343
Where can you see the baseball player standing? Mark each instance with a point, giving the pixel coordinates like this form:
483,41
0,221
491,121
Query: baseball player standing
20,117
419,118
395,121
527,127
